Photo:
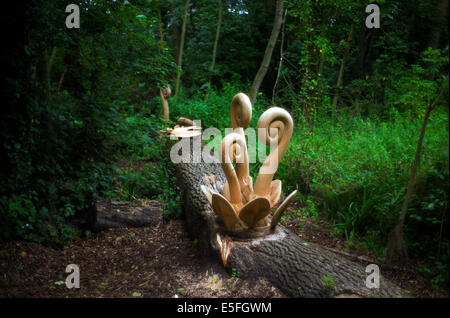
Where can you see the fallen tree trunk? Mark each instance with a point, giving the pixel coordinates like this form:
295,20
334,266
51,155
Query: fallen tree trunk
119,214
298,268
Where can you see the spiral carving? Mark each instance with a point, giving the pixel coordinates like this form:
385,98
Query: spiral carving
238,205
233,150
281,120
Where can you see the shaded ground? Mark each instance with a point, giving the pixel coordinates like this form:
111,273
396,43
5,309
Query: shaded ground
157,261
161,261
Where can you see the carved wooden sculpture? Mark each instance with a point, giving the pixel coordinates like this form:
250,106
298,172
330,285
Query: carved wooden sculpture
165,93
239,205
186,127
271,252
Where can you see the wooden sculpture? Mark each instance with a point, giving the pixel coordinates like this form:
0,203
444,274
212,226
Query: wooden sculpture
231,219
238,204
165,93
185,127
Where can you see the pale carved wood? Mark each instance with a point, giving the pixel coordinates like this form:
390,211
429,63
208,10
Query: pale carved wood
232,142
240,117
237,203
165,93
277,215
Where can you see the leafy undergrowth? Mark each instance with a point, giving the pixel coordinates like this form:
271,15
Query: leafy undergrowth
353,173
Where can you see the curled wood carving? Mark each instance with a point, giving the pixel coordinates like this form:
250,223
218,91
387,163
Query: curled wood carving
238,204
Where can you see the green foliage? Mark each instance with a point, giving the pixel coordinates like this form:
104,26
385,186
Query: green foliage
356,171
328,282
213,111
88,127
62,134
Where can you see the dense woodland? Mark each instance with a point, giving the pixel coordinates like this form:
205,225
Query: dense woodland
82,114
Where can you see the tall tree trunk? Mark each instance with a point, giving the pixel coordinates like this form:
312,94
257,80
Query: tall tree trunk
176,34
44,72
160,23
180,54
216,41
363,40
268,53
436,30
341,69
281,56
61,80
50,61
396,250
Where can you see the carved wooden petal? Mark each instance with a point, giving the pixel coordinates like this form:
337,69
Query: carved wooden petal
226,191
247,188
254,211
207,193
275,192
280,210
225,211
225,248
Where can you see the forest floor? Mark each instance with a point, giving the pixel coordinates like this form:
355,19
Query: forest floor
159,261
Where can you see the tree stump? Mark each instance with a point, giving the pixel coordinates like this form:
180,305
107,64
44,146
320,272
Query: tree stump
298,268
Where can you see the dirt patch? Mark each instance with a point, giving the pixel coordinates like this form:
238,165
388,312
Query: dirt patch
158,261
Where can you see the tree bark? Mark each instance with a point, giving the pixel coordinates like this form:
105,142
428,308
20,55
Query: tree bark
341,69
280,64
268,53
160,23
44,72
50,62
296,267
118,214
176,34
216,42
180,53
436,30
363,40
396,250
60,82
